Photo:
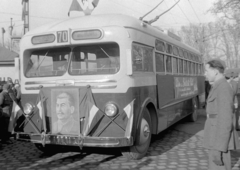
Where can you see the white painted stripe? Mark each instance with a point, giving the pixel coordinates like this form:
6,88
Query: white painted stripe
40,109
129,127
129,111
12,120
17,108
92,113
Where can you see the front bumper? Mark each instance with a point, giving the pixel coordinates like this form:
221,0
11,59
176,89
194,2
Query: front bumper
69,140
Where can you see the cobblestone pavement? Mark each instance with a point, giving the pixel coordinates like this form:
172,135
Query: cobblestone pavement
171,150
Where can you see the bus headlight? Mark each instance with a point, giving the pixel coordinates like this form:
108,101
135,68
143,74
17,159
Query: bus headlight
28,108
111,109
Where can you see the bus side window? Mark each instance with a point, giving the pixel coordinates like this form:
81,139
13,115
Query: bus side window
168,60
185,67
160,65
175,65
148,59
180,66
142,58
196,69
189,67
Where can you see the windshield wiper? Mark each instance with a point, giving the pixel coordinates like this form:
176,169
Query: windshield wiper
41,61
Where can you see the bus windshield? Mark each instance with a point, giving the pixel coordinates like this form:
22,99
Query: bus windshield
79,60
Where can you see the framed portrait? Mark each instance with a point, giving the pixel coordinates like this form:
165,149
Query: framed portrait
65,111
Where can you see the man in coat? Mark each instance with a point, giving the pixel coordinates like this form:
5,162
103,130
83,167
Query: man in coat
238,98
219,135
234,85
5,105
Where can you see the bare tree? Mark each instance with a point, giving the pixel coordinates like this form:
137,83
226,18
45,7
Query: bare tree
229,8
196,37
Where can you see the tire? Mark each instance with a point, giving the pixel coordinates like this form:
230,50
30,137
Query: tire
194,115
140,148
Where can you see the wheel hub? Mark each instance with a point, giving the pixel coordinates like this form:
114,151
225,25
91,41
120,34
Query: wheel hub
144,134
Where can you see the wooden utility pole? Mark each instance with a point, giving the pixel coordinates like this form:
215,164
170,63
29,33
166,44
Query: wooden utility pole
3,32
25,15
10,33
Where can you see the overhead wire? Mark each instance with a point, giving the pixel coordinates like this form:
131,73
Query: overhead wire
183,12
194,11
7,13
170,12
9,21
152,7
123,6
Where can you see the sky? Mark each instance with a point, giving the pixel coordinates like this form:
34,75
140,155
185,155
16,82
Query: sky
45,11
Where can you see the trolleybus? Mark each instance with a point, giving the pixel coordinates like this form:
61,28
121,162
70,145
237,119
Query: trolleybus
104,81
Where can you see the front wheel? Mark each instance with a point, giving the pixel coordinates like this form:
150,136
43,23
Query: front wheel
140,148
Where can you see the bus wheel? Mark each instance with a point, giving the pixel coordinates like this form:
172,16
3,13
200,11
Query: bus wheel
144,134
194,116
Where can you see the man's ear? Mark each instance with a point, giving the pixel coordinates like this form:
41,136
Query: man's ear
216,71
72,109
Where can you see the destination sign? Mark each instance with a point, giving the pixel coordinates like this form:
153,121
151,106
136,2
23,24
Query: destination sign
185,86
86,34
42,39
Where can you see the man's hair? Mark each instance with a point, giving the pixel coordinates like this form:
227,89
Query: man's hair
66,95
217,64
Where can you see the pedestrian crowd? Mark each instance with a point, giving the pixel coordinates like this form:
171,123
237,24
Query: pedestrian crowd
222,107
9,93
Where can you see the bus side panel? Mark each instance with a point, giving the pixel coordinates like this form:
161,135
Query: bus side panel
165,88
177,111
172,108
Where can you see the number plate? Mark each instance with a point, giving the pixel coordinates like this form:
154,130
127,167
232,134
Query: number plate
62,36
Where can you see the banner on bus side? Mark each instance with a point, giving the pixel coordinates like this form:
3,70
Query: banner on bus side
185,86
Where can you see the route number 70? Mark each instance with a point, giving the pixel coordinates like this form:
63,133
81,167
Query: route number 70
62,36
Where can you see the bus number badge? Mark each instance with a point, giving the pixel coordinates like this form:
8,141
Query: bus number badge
62,36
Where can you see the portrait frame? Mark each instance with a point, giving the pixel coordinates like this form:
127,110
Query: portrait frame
72,127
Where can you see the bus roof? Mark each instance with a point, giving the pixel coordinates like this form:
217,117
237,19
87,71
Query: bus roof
94,21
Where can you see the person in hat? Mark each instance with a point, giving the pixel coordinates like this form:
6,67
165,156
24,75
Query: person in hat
17,91
219,135
238,109
5,105
12,91
230,75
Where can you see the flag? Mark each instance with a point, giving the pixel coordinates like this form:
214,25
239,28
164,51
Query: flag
92,114
129,112
41,99
12,120
39,106
75,6
83,5
91,119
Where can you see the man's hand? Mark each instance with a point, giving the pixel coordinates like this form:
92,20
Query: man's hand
217,157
